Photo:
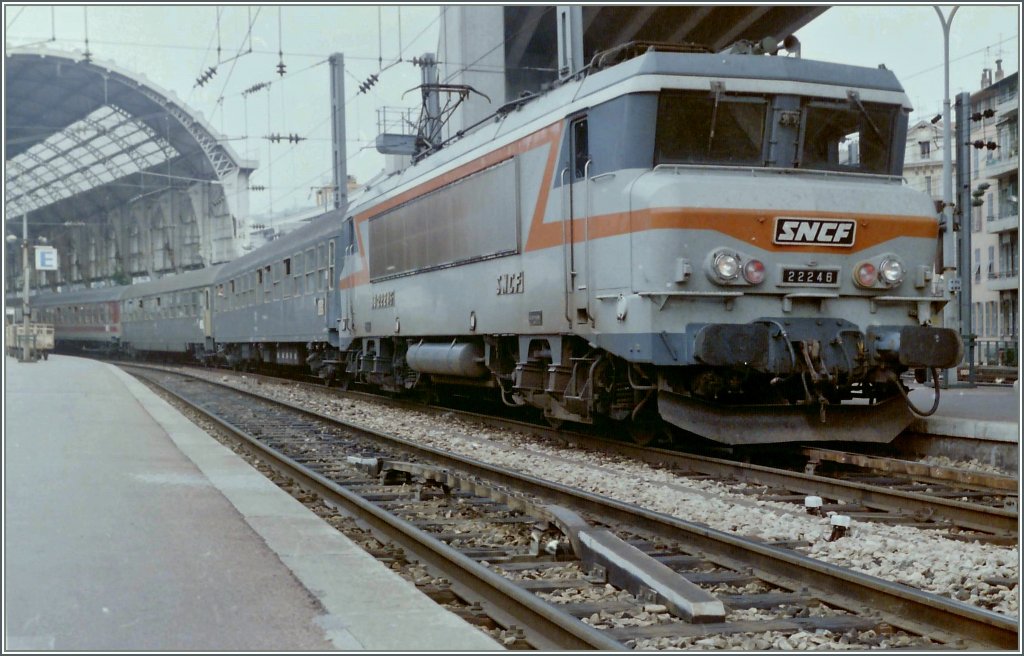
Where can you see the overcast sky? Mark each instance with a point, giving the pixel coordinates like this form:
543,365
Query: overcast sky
173,45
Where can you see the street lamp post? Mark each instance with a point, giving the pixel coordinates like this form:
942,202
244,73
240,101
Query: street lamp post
949,268
26,354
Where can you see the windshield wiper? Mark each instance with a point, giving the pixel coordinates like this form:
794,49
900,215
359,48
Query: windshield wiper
717,87
855,99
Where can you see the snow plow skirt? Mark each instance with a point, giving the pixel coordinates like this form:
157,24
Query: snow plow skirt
768,424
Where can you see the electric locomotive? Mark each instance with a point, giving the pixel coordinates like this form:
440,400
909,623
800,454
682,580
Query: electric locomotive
719,243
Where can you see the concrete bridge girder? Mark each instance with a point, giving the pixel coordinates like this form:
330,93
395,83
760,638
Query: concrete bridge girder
507,50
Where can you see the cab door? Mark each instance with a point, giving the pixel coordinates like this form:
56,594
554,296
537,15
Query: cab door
579,226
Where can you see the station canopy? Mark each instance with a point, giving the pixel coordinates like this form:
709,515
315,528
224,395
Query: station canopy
83,138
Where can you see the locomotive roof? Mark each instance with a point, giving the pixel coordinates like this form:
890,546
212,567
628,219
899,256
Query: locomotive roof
761,67
48,299
573,96
325,226
186,280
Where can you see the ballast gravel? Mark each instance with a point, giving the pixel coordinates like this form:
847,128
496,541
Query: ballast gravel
982,575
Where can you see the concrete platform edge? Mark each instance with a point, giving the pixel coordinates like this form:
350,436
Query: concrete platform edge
997,431
347,581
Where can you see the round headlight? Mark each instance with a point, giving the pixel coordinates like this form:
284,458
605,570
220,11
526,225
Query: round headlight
866,275
753,272
726,266
891,271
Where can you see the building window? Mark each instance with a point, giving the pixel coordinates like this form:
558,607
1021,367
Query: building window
991,262
977,265
928,184
926,149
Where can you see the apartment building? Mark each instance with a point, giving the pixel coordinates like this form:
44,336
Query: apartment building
994,270
995,225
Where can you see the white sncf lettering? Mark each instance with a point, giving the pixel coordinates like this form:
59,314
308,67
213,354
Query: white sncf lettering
810,231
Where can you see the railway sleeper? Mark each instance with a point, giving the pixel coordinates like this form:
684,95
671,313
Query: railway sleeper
838,624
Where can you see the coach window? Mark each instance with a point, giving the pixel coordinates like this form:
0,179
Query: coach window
297,271
310,270
321,261
330,264
287,283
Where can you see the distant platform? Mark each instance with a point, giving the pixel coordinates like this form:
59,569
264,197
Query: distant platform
986,412
128,528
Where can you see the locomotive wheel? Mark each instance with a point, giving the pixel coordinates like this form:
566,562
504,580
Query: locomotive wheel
648,431
554,422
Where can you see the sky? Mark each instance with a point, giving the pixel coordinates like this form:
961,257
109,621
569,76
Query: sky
172,45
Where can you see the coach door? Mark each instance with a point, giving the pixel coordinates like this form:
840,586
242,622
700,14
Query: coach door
579,227
346,251
207,319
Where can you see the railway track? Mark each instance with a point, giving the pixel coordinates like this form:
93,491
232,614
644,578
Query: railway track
964,505
653,580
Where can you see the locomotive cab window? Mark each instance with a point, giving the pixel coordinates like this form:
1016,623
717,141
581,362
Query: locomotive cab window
850,136
580,149
700,127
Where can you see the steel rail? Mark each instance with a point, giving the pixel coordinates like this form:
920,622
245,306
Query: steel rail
916,610
960,513
545,626
964,514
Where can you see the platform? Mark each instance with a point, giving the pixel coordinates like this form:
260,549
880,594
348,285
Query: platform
129,528
988,412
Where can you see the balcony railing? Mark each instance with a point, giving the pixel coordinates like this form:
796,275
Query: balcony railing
1002,223
1002,280
994,360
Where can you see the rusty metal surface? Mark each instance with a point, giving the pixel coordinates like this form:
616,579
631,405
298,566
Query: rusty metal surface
917,469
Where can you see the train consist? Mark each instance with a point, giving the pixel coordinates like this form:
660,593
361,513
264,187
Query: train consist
716,243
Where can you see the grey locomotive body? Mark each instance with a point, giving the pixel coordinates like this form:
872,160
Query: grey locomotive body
720,241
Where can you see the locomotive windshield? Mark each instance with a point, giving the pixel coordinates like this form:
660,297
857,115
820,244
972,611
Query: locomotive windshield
842,137
712,127
702,128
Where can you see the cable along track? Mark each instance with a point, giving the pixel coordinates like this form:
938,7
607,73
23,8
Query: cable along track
653,581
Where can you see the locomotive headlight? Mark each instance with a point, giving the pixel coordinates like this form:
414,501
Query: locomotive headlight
865,274
726,265
753,272
891,271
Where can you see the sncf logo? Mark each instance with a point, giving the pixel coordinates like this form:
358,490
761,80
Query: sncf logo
819,232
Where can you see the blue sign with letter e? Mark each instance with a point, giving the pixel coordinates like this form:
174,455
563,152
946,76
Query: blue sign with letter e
46,258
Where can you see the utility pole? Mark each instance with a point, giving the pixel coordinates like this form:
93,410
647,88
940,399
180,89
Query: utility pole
964,209
26,353
949,271
337,62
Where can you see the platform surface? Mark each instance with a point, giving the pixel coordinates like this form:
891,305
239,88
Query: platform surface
986,412
126,527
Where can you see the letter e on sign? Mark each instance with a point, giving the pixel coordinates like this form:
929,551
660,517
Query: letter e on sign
46,258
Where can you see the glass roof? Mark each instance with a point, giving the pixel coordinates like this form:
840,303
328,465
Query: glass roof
107,145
